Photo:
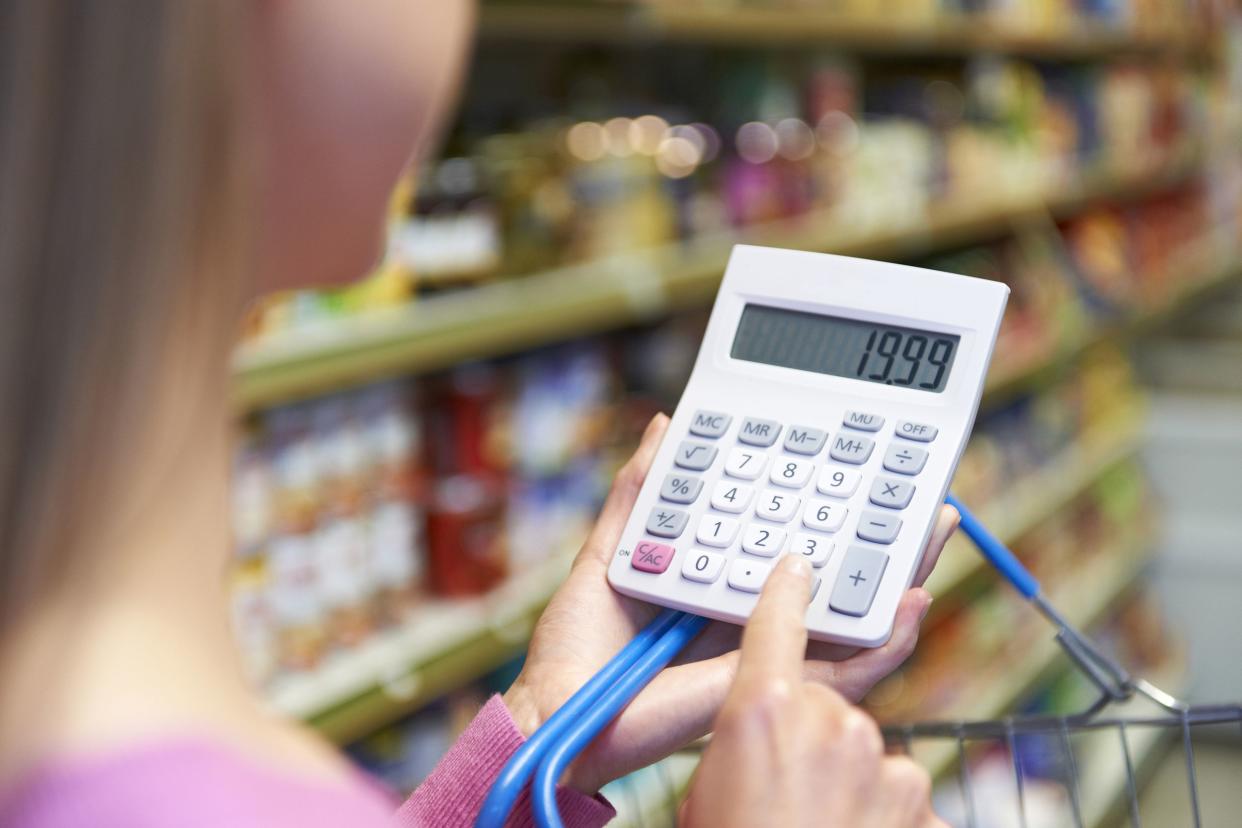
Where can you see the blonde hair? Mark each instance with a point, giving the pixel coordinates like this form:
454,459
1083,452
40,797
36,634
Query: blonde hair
121,251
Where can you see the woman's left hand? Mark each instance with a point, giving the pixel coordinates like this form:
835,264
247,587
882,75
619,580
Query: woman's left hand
586,623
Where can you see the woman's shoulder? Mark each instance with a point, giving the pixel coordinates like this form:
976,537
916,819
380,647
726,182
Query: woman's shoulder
187,782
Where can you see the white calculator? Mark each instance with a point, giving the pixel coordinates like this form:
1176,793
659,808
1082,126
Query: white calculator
827,409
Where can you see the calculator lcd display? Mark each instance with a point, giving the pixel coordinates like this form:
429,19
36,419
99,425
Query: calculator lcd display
884,354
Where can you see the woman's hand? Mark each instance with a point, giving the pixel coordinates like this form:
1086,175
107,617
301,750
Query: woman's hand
789,752
586,623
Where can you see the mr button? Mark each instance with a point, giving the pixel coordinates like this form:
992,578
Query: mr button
650,556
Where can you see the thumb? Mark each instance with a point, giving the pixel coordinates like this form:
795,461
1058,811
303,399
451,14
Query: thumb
624,492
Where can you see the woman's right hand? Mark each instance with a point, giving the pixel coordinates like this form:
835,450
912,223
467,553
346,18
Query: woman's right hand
791,753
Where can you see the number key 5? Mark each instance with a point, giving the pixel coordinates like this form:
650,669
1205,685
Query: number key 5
777,506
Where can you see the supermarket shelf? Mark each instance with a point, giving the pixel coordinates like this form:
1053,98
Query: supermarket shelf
441,647
1012,381
448,643
630,23
510,316
1097,588
1034,500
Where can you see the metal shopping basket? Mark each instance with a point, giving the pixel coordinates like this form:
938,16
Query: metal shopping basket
1036,771
1127,712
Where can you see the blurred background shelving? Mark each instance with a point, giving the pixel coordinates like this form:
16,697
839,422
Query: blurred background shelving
422,454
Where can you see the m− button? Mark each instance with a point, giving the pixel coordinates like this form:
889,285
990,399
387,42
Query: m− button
711,424
803,440
757,432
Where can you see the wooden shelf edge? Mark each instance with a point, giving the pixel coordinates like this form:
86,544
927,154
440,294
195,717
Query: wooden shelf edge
509,316
492,630
642,24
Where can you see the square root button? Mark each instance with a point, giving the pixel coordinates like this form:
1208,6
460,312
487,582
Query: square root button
650,556
857,581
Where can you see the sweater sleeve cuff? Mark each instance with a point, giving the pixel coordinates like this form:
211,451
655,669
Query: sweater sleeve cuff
452,795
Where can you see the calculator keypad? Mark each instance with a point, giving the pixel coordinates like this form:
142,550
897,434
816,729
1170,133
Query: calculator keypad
772,495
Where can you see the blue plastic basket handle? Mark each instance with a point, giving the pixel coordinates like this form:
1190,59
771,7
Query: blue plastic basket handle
1006,563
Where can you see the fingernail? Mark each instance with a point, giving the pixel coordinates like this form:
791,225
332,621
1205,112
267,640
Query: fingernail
799,565
926,608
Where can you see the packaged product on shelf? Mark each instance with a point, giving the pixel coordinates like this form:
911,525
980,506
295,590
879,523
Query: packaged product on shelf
467,548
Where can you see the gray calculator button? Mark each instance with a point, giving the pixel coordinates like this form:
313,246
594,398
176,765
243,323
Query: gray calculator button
681,488
858,580
878,527
851,448
895,494
863,421
694,456
667,523
916,431
803,440
756,432
709,423
905,459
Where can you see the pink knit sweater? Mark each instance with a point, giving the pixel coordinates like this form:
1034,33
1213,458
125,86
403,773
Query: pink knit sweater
199,784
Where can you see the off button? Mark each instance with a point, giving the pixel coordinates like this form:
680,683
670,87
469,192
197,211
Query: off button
916,431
